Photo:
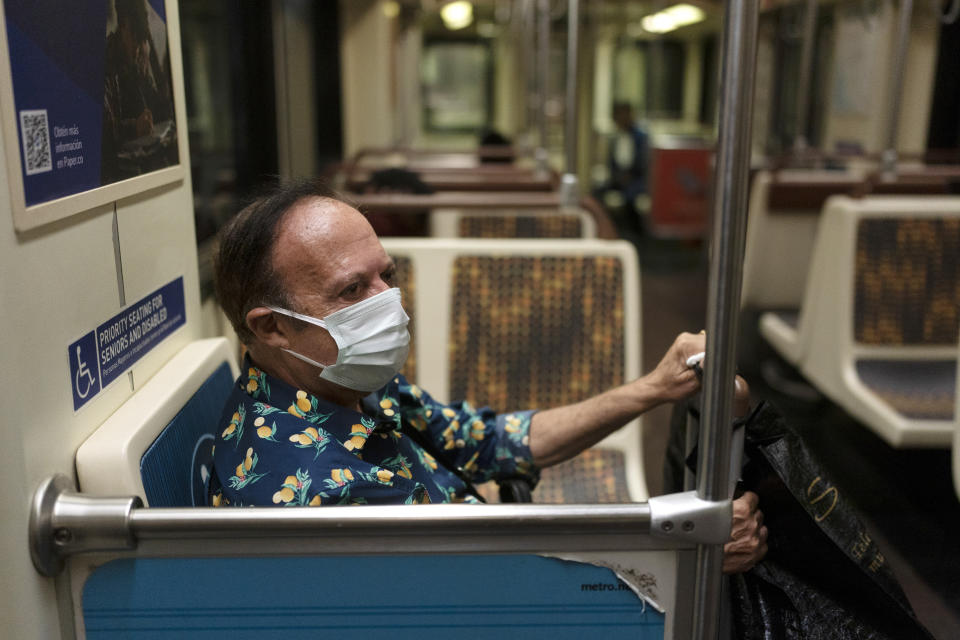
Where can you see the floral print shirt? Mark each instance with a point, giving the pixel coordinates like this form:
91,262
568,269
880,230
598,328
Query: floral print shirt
277,445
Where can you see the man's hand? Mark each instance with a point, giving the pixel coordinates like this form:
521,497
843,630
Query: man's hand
748,536
672,378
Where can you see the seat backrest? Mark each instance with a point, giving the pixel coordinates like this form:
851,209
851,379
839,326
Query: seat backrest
516,324
546,330
408,285
782,223
159,444
784,215
907,279
482,178
576,223
883,280
470,202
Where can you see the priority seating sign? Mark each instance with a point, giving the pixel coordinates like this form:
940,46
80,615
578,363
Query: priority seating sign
101,356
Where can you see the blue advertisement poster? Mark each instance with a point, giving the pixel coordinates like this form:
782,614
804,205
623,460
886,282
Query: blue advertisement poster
92,93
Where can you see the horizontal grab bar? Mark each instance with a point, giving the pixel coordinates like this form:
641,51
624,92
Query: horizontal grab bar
64,523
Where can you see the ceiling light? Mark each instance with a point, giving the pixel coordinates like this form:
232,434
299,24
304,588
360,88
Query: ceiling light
658,23
457,15
685,14
679,15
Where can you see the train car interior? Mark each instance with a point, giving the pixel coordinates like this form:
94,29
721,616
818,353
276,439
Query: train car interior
561,188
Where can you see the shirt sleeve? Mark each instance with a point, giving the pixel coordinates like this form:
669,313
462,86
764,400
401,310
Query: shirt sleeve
485,444
269,457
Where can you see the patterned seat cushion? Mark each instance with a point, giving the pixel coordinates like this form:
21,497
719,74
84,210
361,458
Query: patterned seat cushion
553,226
541,332
907,283
920,390
596,476
406,283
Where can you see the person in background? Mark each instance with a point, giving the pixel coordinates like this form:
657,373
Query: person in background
627,161
495,148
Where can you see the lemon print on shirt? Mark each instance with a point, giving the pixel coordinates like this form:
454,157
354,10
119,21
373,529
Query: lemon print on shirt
245,472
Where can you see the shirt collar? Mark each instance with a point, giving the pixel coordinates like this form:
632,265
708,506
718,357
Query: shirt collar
336,419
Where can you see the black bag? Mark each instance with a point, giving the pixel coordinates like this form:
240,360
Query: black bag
823,577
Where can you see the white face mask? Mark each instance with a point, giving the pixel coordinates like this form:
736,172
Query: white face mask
372,341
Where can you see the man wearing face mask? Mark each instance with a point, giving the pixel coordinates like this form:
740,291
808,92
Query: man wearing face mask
320,413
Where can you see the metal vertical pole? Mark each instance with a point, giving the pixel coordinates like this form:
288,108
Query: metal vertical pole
723,302
806,71
543,71
569,187
528,35
896,86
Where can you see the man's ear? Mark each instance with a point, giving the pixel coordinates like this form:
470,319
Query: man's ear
267,328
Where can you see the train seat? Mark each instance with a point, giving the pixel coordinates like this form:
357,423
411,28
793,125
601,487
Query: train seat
500,177
781,227
878,329
521,213
784,211
575,223
159,444
781,230
516,324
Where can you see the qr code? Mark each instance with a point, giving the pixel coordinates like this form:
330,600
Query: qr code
36,141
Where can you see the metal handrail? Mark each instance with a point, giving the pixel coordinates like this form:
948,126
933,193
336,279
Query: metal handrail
569,191
897,70
800,141
543,82
64,523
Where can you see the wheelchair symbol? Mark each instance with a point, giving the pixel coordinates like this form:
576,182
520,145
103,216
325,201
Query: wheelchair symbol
83,372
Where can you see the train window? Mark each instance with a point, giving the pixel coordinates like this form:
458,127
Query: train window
457,83
226,77
787,52
650,74
710,63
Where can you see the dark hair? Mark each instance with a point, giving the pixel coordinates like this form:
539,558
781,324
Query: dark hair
490,139
244,275
397,180
493,138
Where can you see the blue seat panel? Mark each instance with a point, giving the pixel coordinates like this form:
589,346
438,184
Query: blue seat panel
428,597
176,468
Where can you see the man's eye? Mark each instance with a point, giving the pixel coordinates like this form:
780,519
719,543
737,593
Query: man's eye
390,277
351,290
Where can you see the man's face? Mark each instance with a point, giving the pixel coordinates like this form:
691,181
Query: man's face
329,258
623,117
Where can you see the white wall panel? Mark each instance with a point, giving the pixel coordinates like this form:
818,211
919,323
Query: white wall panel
365,73
157,245
58,282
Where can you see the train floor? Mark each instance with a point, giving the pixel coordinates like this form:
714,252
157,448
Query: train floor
905,496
